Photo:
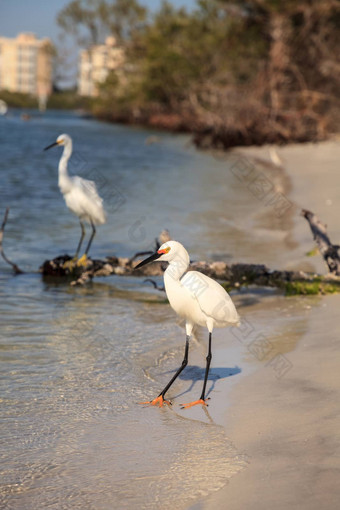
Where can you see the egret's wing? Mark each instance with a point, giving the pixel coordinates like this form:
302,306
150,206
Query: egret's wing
87,187
213,300
94,202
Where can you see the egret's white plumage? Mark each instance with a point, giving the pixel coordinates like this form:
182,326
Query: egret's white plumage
80,195
196,298
3,107
193,295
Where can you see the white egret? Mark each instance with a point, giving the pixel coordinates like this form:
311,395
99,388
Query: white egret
80,195
3,107
196,298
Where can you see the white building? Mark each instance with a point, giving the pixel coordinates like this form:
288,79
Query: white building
26,65
96,63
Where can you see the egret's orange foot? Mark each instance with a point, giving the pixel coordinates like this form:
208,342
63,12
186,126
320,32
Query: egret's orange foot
200,401
159,401
82,261
70,264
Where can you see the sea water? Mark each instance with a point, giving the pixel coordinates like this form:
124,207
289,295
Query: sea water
76,361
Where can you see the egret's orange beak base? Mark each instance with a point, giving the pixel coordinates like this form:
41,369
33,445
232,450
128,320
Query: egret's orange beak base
165,250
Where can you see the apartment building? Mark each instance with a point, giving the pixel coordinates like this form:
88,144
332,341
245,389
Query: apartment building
95,64
26,65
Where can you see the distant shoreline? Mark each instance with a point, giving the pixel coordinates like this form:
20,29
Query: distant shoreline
220,137
212,136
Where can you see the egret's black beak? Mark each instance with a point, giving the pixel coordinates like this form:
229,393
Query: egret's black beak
153,257
50,146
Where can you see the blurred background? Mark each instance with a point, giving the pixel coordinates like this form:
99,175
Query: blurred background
233,72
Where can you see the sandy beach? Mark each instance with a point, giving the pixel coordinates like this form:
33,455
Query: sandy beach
287,424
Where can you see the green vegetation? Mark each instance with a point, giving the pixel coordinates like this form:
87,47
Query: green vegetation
313,252
298,287
314,287
236,72
64,100
89,21
68,100
18,100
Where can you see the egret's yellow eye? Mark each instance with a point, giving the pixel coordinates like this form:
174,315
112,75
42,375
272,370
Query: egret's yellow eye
165,250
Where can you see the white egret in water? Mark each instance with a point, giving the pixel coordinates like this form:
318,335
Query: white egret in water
196,298
3,107
80,195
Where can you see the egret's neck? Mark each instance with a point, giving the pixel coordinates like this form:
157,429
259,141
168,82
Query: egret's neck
63,175
176,268
65,157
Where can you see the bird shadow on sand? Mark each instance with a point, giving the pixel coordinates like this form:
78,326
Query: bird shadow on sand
195,374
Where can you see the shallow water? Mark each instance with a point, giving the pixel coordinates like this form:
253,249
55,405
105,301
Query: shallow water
75,361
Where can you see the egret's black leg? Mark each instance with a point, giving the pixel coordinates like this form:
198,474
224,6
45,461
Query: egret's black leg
201,400
81,239
182,367
160,400
208,358
91,238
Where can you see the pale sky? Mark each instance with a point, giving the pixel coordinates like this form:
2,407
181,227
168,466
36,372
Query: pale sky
39,16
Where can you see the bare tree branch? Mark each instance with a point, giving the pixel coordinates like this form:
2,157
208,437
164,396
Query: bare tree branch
16,269
329,251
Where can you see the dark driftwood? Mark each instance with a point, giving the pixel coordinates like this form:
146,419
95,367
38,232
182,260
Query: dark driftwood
329,251
233,276
16,269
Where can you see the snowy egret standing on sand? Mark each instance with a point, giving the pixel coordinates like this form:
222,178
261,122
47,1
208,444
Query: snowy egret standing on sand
195,297
80,195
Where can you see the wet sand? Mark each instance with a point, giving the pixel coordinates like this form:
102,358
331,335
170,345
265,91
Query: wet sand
287,425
